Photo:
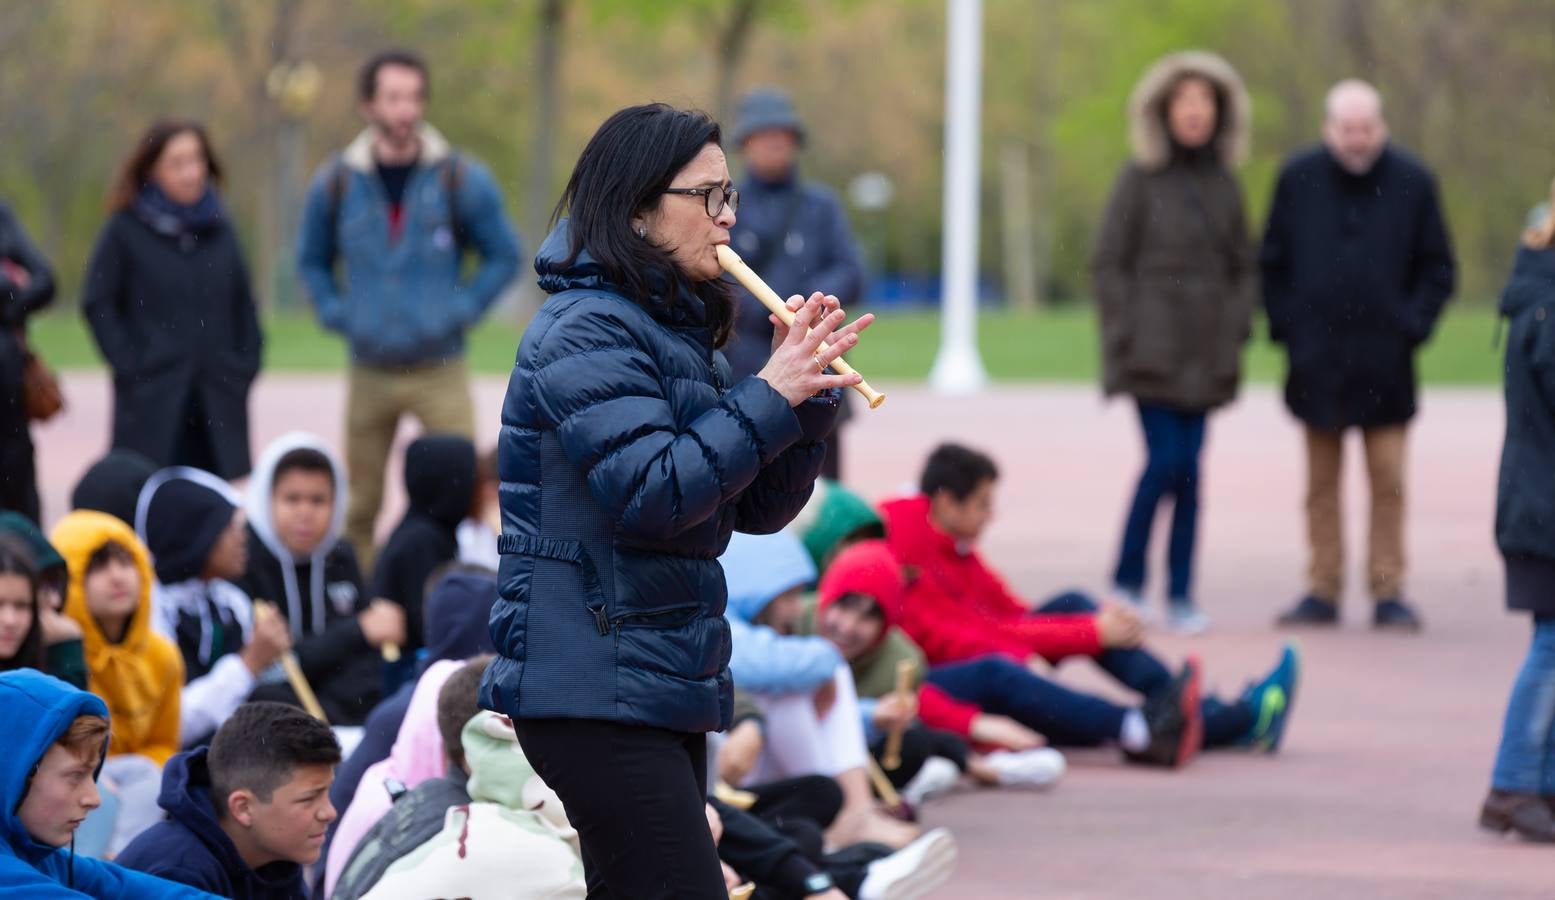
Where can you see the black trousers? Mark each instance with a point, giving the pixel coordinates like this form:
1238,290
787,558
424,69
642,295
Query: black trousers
636,796
918,744
18,478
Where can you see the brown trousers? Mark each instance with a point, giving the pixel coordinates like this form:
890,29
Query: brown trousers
438,395
1385,465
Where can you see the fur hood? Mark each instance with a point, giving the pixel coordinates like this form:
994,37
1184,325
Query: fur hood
1146,108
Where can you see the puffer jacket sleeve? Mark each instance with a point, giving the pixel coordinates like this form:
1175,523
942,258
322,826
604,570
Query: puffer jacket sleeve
784,487
605,397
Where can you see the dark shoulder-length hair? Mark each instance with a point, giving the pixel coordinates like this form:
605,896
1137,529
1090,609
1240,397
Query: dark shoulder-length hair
135,171
623,171
17,559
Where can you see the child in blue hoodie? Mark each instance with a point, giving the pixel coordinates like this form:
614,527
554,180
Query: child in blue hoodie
54,737
801,684
245,814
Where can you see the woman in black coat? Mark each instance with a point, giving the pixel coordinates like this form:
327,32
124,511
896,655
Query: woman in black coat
1522,795
167,297
26,286
627,458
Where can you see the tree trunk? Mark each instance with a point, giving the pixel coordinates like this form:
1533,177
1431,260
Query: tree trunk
733,38
1020,276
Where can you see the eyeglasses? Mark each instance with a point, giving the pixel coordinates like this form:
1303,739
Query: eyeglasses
716,198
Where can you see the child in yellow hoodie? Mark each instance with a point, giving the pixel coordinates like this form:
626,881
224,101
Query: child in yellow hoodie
137,672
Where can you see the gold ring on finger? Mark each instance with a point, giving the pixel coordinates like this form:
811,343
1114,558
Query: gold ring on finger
820,365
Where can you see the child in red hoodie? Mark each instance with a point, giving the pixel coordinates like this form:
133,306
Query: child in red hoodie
983,642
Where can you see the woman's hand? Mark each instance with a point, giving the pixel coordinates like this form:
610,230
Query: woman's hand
798,363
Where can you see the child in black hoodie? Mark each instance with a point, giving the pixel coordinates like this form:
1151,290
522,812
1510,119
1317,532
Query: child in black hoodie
298,560
440,484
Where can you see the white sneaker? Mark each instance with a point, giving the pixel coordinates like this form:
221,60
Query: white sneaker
1185,619
912,871
937,776
1135,601
1038,768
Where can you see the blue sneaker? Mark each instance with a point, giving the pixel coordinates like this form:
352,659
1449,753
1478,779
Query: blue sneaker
1272,700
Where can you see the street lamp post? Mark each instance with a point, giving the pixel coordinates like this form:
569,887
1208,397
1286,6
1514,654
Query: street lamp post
958,369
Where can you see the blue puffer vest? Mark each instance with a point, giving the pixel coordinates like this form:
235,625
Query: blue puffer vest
626,461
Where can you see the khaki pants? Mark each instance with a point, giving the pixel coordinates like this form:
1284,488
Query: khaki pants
438,395
1385,466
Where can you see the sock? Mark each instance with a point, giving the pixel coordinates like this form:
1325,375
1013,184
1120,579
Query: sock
1135,733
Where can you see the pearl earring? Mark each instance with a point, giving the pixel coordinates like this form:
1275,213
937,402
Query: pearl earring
642,232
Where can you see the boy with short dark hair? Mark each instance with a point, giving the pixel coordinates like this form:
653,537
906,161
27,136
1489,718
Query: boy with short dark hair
298,560
980,638
248,812
191,523
54,738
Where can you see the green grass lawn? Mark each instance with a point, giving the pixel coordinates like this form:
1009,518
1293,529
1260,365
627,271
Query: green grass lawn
1059,345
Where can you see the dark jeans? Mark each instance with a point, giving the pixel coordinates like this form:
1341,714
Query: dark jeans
636,797
1069,718
1174,440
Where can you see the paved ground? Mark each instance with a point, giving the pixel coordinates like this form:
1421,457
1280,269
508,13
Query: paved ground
1376,794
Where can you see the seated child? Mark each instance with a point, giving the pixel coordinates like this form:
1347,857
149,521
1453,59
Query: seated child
113,484
512,840
418,815
834,518
245,814
34,632
416,757
439,484
804,691
458,610
194,529
298,560
982,641
136,671
860,601
54,735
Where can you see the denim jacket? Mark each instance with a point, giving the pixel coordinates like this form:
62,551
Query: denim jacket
404,301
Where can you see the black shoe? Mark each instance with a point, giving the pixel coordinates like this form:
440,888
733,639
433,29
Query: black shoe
1394,615
1526,814
1311,611
1175,721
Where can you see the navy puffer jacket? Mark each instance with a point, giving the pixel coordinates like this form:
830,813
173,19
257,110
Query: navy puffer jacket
626,460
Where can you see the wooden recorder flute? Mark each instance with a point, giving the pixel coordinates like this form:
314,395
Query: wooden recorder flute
743,273
892,758
293,670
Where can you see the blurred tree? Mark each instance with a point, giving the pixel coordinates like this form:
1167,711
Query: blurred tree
523,83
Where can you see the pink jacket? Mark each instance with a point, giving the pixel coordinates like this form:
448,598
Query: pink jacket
417,756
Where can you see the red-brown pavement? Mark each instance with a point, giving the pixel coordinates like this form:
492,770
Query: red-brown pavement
1388,755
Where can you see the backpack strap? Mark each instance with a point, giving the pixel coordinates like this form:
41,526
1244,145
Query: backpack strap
451,170
339,182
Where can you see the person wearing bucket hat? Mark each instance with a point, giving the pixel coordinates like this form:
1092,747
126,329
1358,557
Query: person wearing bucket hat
792,232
